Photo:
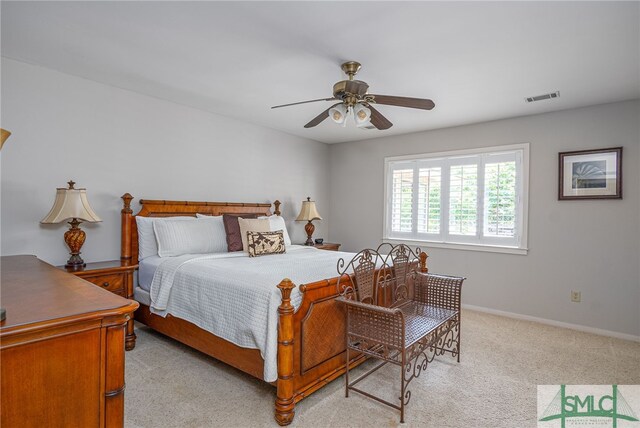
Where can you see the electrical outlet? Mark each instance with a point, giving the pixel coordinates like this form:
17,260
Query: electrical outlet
575,296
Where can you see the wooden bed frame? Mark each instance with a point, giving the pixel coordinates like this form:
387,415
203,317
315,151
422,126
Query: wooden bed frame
308,357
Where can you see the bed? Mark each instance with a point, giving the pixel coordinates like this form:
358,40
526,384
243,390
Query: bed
304,357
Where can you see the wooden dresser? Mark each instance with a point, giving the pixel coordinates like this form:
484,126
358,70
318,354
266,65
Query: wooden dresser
61,347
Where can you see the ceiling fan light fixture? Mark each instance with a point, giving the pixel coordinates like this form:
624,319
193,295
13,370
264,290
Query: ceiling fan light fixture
362,115
338,113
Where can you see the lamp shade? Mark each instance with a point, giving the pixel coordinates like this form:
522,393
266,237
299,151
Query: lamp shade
4,134
71,203
361,115
308,211
338,113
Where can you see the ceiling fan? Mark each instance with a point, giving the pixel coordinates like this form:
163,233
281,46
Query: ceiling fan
353,97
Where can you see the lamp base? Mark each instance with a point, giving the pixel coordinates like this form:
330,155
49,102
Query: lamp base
309,228
75,262
74,237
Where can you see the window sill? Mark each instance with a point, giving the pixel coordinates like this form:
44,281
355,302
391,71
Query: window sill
464,247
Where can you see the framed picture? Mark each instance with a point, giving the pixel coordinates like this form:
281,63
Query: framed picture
591,174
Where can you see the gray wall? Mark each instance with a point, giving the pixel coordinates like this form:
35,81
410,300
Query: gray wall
113,141
590,246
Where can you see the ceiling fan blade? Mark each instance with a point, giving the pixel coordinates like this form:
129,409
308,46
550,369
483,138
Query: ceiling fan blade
378,120
319,118
420,103
304,102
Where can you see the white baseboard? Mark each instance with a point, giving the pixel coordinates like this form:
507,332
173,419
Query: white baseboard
577,327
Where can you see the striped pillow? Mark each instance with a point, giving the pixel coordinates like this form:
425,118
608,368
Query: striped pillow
198,236
147,242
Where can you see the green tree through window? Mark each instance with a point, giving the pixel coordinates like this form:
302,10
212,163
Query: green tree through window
477,198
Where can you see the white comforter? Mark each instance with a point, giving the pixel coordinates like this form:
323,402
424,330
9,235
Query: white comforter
235,297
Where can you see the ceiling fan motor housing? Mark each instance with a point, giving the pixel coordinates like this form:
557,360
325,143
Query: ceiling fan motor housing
346,88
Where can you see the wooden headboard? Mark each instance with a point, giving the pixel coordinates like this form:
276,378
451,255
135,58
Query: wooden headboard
150,208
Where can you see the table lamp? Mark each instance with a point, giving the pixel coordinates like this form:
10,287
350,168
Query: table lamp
309,213
71,203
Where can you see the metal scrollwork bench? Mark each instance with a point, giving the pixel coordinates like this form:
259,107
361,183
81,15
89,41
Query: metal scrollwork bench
399,313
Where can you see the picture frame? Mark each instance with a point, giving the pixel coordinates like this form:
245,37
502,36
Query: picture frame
590,174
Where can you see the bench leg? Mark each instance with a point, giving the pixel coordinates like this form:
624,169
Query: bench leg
402,388
459,335
346,376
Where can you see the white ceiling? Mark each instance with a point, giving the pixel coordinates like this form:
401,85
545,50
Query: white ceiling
476,60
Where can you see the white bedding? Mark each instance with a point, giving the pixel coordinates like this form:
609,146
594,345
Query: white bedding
146,269
234,296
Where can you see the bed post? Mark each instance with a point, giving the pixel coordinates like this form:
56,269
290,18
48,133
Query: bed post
284,401
125,249
276,206
125,258
423,262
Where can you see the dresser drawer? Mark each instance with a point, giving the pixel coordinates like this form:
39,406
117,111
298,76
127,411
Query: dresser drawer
113,283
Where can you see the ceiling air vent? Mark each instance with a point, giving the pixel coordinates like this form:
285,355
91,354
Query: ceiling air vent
543,97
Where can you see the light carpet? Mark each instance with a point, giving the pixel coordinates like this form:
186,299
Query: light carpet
502,362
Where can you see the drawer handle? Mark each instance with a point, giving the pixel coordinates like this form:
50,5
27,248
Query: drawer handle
105,284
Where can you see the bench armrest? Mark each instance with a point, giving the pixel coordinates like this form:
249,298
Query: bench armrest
442,291
374,324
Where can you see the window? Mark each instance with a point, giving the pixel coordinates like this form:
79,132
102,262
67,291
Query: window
461,198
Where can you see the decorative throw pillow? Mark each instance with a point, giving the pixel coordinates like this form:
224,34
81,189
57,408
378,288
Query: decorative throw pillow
277,223
252,225
262,243
232,228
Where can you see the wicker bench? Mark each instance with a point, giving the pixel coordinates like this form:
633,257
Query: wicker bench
399,313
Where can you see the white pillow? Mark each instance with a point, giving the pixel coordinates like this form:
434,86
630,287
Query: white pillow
200,236
220,235
277,223
147,243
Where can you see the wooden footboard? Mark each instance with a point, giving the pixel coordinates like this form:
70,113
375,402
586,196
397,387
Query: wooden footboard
311,344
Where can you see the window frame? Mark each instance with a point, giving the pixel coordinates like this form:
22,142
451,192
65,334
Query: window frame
444,160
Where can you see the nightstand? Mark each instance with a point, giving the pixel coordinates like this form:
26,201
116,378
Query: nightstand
328,246
113,276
